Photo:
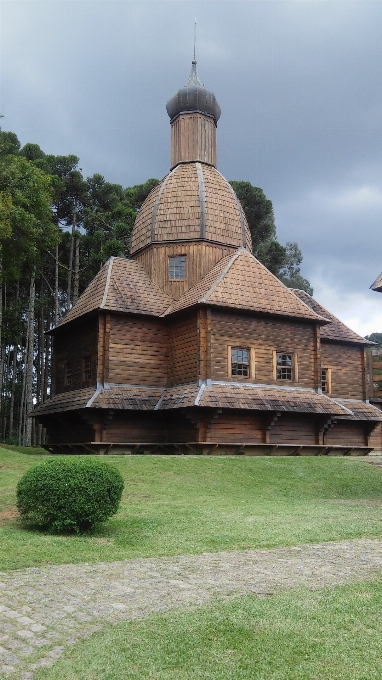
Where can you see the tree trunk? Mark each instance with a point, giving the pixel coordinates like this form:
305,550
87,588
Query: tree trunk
76,270
56,287
29,367
14,373
70,268
1,326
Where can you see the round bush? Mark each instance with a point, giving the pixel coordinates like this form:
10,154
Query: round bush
69,494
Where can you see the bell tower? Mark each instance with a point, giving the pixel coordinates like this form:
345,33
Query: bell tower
194,113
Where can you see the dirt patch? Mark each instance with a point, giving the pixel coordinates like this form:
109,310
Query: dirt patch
7,516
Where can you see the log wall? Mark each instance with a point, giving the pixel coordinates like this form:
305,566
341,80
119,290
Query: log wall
184,351
138,351
132,426
70,346
293,429
265,337
235,427
347,369
347,433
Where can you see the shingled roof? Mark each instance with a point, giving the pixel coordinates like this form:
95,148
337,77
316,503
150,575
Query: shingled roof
213,395
361,410
335,329
377,285
120,286
242,282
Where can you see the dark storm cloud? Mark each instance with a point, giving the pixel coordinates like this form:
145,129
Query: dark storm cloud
300,90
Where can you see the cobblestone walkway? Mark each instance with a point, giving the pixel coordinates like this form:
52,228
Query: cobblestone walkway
42,611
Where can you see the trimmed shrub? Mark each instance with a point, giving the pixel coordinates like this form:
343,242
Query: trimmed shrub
69,495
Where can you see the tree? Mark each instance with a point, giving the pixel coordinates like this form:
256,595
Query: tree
283,261
289,273
375,337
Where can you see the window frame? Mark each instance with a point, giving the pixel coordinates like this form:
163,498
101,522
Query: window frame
251,362
293,367
181,266
87,370
328,380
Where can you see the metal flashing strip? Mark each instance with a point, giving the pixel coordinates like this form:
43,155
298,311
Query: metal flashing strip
159,403
228,383
94,396
221,276
156,205
340,405
202,200
199,395
108,277
109,386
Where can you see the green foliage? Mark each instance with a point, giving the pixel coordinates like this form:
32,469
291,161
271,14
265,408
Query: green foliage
375,337
69,495
25,214
178,505
332,633
283,261
9,144
290,272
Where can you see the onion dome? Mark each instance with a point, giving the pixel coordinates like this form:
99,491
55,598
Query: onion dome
193,97
193,202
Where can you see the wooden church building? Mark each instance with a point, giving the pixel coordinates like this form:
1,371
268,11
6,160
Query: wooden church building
191,345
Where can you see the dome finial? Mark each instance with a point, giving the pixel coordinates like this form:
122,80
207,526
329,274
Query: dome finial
195,41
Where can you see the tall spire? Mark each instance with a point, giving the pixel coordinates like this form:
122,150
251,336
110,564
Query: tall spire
194,113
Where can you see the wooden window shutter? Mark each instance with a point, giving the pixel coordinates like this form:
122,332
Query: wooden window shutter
295,361
229,360
274,365
252,363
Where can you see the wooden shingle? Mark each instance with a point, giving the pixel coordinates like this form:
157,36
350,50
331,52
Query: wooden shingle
122,286
242,282
335,329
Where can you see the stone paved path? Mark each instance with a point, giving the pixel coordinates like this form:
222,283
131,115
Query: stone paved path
42,611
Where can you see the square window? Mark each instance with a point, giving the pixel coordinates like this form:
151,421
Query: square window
284,366
87,369
177,268
240,361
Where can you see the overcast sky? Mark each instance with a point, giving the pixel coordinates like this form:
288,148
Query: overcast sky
300,88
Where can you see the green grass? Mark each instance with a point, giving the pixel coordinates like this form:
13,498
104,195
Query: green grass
184,505
328,634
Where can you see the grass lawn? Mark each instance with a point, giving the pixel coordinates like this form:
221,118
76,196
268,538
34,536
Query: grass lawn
327,634
182,505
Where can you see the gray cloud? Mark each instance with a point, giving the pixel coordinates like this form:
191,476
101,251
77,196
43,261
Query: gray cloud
299,87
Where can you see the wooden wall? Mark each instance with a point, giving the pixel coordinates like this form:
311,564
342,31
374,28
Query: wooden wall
375,438
184,350
294,429
200,258
345,433
231,427
193,138
347,369
264,336
71,345
133,426
67,428
137,351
